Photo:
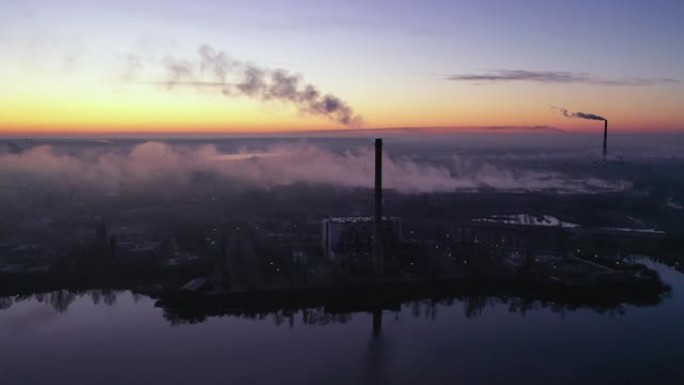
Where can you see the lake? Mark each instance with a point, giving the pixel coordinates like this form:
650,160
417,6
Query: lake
122,338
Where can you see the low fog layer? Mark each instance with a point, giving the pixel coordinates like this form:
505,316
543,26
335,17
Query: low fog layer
164,166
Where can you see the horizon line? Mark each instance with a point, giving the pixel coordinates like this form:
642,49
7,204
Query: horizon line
400,130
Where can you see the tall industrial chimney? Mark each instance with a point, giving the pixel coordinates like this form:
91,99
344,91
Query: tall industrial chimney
605,137
378,257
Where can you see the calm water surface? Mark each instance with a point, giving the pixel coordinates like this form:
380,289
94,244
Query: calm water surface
130,341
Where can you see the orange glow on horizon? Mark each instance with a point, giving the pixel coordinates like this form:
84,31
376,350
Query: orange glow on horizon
94,109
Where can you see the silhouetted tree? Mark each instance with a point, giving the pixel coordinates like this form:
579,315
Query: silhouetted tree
96,296
6,303
109,297
61,299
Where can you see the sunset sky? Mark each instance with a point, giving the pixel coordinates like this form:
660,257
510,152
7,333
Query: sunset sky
94,66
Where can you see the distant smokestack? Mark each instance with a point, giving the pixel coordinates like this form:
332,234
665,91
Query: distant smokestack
589,116
605,137
378,257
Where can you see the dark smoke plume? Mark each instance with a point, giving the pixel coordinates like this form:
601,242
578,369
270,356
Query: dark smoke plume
580,115
217,70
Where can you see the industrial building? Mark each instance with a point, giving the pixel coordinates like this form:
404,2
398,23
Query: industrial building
347,236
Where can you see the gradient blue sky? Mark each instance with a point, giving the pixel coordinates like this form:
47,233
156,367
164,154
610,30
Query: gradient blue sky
389,60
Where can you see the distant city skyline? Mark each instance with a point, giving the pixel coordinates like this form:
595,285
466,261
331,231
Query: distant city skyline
89,67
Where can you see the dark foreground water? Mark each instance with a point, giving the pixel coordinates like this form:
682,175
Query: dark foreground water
124,339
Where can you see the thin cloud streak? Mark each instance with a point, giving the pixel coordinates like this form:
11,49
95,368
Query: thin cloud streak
555,77
526,128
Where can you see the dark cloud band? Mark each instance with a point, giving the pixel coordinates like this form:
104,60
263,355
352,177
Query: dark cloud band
554,77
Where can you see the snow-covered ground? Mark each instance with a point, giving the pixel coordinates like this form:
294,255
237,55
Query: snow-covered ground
627,229
528,220
672,205
551,221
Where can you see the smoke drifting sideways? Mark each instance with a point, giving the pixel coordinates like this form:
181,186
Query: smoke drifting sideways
216,70
579,115
162,168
